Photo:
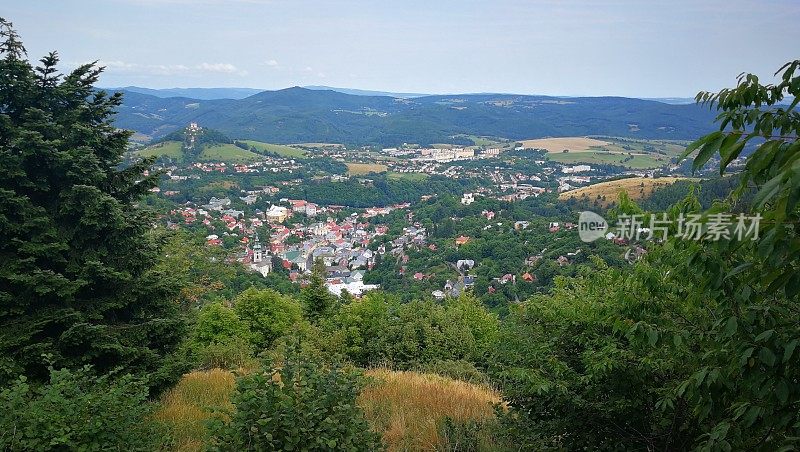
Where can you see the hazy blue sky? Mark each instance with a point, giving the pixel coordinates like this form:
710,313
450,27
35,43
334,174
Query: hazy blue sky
644,48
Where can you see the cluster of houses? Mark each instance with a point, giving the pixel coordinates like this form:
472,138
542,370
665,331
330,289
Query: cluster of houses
342,246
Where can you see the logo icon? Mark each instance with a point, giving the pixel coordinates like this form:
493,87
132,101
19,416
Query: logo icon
591,226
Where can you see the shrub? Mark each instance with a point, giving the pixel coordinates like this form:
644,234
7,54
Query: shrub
78,411
217,323
219,339
303,405
267,314
469,436
456,369
230,354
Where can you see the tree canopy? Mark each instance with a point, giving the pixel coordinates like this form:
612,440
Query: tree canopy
76,285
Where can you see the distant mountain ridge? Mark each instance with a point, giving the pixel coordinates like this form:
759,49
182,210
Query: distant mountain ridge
363,92
192,93
296,115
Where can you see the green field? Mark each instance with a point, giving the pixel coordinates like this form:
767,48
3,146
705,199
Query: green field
171,149
414,177
655,147
638,161
486,141
631,153
227,153
284,151
360,169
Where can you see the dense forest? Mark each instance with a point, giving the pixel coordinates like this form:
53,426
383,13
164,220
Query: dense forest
298,115
104,319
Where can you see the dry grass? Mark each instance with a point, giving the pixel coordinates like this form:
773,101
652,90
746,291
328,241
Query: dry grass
574,144
187,406
357,169
636,187
407,408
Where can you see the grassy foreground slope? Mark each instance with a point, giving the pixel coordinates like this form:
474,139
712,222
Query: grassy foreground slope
407,408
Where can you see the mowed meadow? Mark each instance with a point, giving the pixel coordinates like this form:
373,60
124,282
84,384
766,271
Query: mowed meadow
360,169
608,192
627,152
411,410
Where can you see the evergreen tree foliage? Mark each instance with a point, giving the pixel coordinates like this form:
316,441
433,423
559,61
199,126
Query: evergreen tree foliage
75,279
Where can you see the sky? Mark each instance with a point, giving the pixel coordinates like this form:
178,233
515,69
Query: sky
634,48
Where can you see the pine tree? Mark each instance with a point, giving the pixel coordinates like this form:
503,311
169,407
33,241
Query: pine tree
76,285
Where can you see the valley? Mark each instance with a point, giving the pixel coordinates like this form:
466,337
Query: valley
552,250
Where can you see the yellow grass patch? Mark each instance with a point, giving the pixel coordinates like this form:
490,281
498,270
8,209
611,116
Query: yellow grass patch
407,408
574,144
636,187
187,406
357,169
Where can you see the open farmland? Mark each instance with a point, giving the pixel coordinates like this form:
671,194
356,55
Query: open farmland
572,144
627,152
359,169
628,160
608,192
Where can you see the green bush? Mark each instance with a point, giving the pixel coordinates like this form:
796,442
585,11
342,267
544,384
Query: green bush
456,369
78,411
217,323
469,436
230,354
219,339
303,405
267,314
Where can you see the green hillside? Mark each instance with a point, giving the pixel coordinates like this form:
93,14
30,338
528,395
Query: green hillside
227,153
284,151
297,115
171,149
218,153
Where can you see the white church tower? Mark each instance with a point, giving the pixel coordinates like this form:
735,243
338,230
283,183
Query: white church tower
258,253
262,262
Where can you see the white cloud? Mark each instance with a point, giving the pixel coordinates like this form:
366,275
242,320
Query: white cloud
122,67
225,68
271,63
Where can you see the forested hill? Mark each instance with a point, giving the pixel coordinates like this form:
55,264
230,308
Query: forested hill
297,115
